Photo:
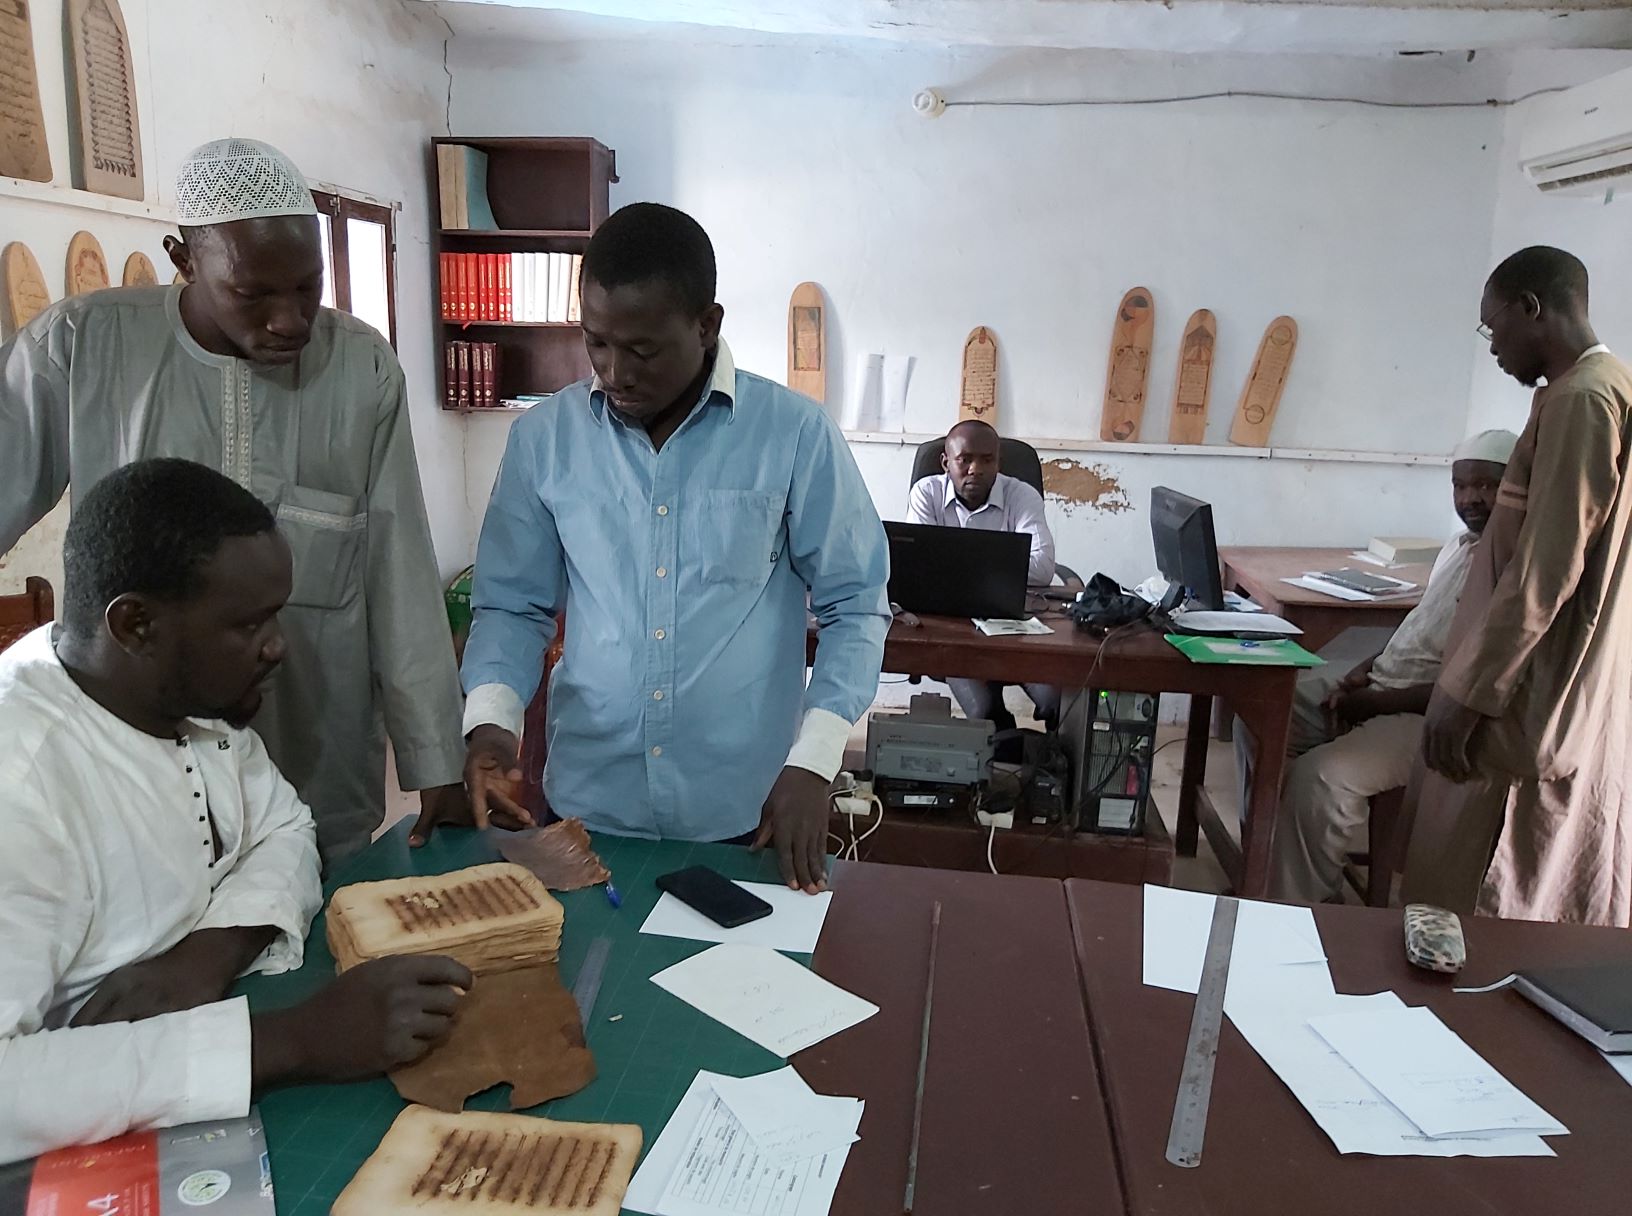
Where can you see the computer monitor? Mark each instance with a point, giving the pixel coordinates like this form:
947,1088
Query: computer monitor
1186,552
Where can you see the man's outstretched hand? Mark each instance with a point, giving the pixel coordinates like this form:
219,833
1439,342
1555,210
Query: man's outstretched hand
490,793
795,821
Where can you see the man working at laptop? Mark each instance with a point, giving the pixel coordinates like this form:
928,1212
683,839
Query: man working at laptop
971,493
1358,736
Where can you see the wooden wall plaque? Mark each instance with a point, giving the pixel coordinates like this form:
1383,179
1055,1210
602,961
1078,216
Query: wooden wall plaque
23,150
978,398
139,271
109,134
26,293
1129,369
807,342
87,268
1262,395
1194,380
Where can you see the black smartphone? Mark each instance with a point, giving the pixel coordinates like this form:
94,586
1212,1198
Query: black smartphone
714,895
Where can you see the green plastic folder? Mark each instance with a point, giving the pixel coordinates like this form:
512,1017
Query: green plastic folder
1273,652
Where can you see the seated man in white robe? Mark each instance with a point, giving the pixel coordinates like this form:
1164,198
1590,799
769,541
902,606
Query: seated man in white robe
1357,736
152,852
971,493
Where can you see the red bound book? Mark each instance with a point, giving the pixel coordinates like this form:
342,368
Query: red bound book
507,311
444,288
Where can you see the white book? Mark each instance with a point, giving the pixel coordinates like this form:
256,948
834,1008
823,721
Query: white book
518,297
573,314
560,271
538,285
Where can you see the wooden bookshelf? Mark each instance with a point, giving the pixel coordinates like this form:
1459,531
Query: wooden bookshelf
548,195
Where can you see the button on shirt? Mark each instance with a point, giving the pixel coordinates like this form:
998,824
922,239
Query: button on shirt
1012,507
110,857
684,572
1414,654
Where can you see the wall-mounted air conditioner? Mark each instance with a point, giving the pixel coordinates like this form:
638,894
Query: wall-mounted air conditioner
1579,142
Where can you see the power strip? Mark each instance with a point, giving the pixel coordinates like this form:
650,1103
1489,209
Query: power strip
856,808
1001,819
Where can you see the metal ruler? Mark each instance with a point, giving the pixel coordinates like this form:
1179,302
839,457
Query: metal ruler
1201,1052
588,984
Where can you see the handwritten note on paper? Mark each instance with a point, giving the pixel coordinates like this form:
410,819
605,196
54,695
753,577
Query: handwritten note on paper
705,1163
764,996
786,1118
1434,1078
1348,1109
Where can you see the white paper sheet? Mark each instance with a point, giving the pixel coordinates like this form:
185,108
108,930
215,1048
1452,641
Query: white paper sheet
864,403
1177,924
1430,1075
1350,1111
897,375
1235,622
785,1118
994,627
794,924
704,1163
1331,589
1622,1064
764,996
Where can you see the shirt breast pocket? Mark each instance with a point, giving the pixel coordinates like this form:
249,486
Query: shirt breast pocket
328,535
740,535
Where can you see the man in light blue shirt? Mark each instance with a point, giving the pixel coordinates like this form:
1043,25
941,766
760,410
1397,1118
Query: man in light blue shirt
680,511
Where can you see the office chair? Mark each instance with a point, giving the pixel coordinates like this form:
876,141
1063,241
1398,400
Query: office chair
1015,458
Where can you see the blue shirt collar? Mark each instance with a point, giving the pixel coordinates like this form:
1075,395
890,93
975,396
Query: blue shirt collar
722,384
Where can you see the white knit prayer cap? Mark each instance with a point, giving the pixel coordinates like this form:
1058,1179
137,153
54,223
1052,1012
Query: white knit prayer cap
239,179
1494,446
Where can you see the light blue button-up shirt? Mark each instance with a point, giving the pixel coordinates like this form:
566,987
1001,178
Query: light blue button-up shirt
684,573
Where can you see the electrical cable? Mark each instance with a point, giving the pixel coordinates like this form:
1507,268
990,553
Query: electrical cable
1489,103
991,836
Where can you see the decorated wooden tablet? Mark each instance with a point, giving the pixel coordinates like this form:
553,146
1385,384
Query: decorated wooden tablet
23,150
26,293
807,342
139,271
1193,382
978,398
1129,369
104,86
1261,398
87,267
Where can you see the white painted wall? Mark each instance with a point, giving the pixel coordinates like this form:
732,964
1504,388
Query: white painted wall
1599,234
804,161
351,89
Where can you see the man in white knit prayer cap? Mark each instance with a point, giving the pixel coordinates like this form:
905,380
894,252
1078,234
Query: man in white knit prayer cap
1358,735
238,368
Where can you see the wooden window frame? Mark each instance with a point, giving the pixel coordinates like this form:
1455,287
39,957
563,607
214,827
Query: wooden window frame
339,208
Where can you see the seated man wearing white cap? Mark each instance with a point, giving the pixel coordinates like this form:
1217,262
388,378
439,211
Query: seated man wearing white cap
238,368
1357,736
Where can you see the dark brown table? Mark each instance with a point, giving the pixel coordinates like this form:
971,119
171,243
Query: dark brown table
1014,1116
1133,659
1264,1153
1257,572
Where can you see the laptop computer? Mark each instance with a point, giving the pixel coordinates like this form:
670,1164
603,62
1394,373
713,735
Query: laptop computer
958,571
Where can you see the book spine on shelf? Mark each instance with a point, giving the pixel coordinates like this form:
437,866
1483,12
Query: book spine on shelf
487,375
506,299
442,285
464,374
450,376
463,286
485,312
573,314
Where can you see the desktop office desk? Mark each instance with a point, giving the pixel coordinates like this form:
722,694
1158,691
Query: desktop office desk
1132,659
1257,573
1265,1154
1014,1118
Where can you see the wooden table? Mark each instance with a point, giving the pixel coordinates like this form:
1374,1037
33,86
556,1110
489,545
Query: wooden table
1257,572
1133,659
1263,1151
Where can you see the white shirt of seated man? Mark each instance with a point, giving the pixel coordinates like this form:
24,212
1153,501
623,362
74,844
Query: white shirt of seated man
971,493
152,852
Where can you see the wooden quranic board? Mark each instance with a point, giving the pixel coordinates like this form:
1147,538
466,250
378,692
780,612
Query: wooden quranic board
23,150
109,135
139,271
978,398
26,294
1191,385
807,342
1262,395
1129,368
87,268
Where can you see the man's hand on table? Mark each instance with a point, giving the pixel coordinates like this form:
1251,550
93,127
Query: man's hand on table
490,793
377,1016
795,820
197,970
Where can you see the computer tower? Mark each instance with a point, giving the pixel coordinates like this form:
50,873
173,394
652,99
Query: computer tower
1110,737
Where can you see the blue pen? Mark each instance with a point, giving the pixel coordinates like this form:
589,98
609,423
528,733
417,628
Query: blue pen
612,896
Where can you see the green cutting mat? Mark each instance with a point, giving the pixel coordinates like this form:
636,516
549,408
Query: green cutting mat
319,1135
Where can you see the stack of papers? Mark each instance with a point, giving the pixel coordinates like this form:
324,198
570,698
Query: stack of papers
1235,622
994,628
762,1145
794,924
1367,1068
1313,581
764,996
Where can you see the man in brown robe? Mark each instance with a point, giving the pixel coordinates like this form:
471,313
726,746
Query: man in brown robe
1527,809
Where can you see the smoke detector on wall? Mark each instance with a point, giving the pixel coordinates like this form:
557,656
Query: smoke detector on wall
928,103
